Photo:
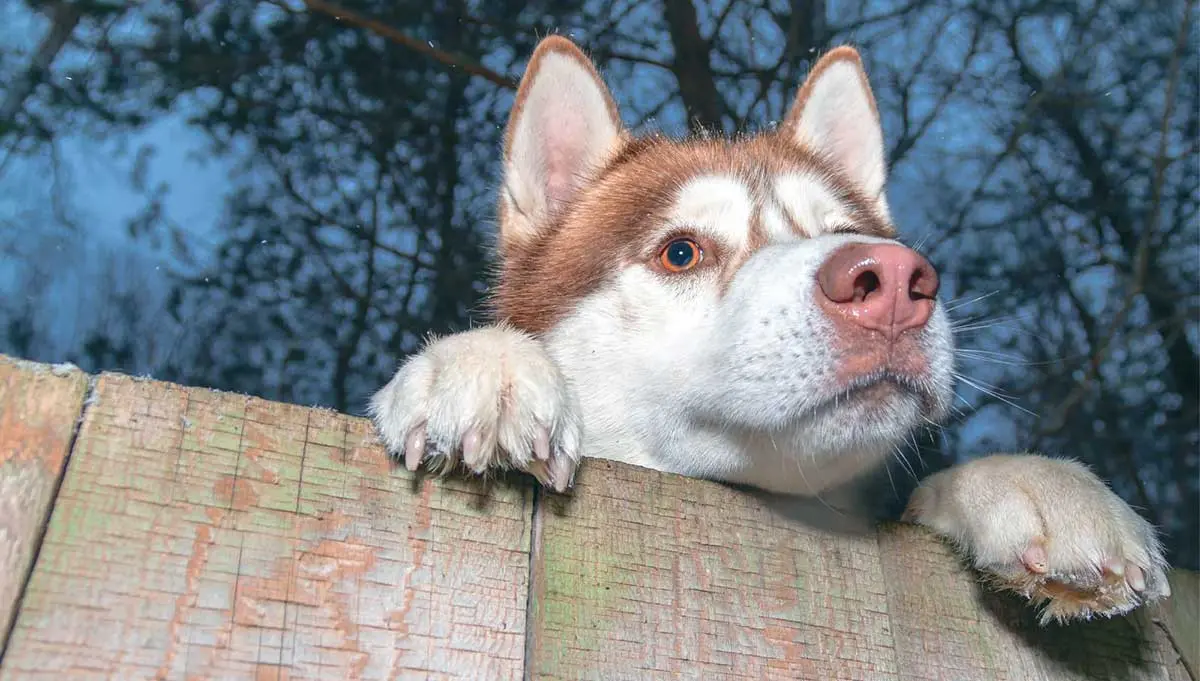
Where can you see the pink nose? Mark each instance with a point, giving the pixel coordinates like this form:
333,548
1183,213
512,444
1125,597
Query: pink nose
887,288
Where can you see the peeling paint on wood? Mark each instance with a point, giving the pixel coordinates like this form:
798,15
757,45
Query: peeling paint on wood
205,535
38,412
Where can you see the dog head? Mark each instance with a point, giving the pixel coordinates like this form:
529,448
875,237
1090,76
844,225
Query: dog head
727,308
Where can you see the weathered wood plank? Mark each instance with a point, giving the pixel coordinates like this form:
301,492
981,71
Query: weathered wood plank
207,535
649,576
642,575
947,626
202,535
1180,616
39,407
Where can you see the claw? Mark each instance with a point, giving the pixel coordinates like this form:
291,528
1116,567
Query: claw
541,444
562,473
414,448
1135,577
470,446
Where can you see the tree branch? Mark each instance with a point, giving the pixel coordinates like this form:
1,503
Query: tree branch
451,59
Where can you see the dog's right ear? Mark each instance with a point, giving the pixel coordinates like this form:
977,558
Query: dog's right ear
564,125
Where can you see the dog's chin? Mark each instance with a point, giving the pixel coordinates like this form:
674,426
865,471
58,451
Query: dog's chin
873,411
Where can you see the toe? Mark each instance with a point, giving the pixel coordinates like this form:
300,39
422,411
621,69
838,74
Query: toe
1034,557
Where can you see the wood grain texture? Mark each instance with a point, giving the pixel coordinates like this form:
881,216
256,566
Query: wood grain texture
203,535
643,575
948,626
39,407
1179,616
206,535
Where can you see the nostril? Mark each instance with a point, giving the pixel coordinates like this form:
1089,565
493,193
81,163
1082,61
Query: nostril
865,284
923,284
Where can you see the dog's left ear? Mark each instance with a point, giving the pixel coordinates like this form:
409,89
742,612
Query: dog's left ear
834,113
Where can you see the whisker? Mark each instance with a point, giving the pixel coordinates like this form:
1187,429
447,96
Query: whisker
920,455
981,319
1018,360
995,358
904,462
994,388
979,326
978,323
996,393
987,353
958,416
953,305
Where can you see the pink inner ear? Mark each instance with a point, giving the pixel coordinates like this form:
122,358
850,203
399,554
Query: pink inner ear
564,148
843,140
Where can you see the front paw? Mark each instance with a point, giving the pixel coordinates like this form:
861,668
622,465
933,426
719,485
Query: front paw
490,398
1048,529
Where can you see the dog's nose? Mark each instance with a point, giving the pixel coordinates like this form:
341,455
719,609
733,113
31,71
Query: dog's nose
887,288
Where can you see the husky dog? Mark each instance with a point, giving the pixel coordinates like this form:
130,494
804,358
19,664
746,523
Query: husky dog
737,310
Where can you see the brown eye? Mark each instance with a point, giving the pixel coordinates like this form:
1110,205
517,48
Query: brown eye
680,255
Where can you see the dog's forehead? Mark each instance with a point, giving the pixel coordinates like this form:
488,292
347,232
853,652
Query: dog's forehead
760,188
721,204
738,209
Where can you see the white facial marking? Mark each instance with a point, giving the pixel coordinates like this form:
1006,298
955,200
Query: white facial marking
809,203
718,206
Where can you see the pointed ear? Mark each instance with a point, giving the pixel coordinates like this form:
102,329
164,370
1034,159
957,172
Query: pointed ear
564,125
835,114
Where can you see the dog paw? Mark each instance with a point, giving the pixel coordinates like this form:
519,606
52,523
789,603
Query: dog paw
1048,529
490,399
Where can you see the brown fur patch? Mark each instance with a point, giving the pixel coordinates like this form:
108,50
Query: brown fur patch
606,228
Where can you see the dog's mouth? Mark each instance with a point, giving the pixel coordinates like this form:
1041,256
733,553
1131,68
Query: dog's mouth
879,389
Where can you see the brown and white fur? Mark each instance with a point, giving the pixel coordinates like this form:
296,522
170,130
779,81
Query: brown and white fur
798,348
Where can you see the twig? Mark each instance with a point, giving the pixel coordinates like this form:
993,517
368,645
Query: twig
451,59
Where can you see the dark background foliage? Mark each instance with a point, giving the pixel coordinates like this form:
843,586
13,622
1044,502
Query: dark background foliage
283,198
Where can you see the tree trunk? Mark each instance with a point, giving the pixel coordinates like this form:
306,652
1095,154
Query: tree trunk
693,68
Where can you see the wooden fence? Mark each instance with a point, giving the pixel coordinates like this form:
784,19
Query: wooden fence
152,531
